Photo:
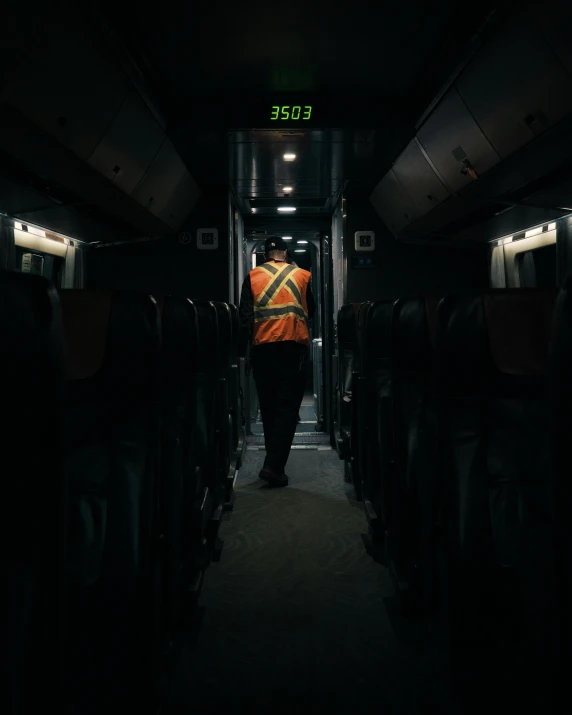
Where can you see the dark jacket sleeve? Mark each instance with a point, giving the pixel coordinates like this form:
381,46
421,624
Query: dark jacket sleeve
310,302
246,316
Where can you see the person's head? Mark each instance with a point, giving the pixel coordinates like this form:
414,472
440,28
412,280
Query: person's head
275,248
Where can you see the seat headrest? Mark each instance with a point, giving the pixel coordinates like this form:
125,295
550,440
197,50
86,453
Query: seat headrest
431,308
501,334
224,334
519,324
208,336
411,346
376,344
86,321
32,334
160,300
462,352
235,323
347,325
356,307
180,329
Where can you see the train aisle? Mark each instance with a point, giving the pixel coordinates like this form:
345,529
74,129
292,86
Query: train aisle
295,616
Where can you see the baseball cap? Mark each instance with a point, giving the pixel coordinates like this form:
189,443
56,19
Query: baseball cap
275,243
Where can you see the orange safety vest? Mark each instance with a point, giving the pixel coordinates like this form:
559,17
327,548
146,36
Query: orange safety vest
280,308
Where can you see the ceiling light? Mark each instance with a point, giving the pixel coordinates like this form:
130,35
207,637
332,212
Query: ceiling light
289,157
287,238
300,250
253,211
287,188
286,209
301,241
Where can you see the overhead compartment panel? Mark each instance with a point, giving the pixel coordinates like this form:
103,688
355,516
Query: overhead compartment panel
417,177
555,19
181,202
516,88
451,135
393,204
130,145
160,181
66,84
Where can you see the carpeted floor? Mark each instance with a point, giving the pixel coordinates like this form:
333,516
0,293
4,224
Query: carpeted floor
297,617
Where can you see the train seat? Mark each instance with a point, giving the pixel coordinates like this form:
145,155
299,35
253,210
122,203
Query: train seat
206,447
413,486
236,407
113,345
33,493
495,461
374,411
179,483
560,394
227,456
347,339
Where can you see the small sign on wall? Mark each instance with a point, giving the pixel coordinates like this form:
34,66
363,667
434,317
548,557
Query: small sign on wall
365,241
207,239
33,263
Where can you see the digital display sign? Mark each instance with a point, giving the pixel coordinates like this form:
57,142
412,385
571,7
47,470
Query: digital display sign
291,112
286,110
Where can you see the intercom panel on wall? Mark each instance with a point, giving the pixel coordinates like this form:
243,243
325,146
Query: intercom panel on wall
207,239
364,241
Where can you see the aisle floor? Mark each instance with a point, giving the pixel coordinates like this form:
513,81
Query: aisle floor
297,617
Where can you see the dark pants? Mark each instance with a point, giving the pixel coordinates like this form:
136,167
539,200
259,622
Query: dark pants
280,375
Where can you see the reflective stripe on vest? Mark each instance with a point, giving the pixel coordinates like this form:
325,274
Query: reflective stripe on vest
280,312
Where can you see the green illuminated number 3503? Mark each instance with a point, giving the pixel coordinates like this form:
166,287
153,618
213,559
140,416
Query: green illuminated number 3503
285,112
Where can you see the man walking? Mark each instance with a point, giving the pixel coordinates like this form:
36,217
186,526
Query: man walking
275,306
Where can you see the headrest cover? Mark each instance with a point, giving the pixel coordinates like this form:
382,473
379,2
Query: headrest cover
462,353
431,306
85,320
224,334
160,300
208,336
235,323
180,332
356,307
411,348
518,326
347,325
378,330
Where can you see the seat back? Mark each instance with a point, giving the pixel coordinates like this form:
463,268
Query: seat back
560,394
179,488
347,343
235,398
224,418
356,444
374,415
412,509
205,444
112,421
33,494
494,442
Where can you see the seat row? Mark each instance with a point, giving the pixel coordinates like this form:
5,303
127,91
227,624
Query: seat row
452,421
123,434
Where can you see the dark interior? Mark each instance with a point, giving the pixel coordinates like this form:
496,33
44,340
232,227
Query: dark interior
418,561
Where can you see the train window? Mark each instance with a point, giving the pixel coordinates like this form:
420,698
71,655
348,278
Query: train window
537,268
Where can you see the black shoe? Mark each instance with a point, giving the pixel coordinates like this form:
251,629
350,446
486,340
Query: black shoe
273,479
